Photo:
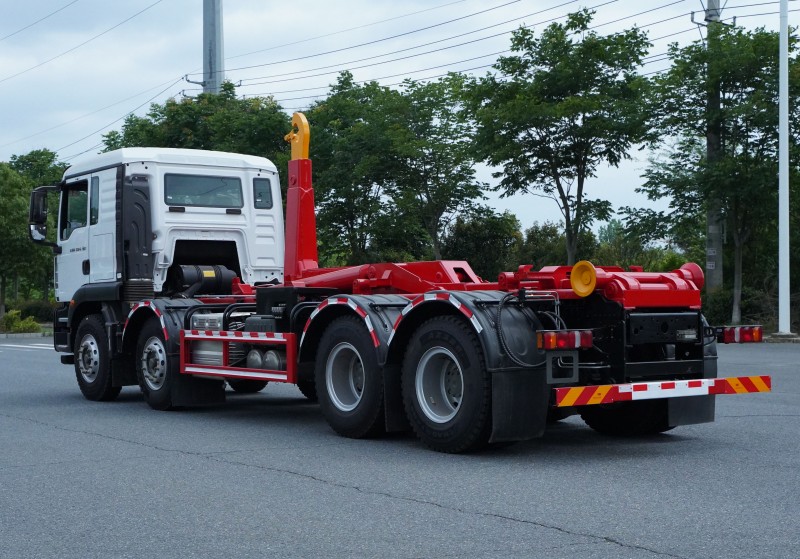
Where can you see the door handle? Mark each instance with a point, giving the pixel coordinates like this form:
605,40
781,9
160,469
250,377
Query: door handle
86,267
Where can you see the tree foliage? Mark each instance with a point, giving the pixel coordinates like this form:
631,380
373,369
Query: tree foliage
563,104
487,240
743,177
220,122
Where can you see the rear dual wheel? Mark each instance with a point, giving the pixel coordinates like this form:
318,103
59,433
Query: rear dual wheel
446,386
348,379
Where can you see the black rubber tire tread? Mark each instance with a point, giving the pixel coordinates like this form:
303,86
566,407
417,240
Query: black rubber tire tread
471,427
309,389
247,386
101,388
160,399
368,418
628,419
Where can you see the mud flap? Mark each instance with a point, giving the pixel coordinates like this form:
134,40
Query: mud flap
688,411
189,391
519,405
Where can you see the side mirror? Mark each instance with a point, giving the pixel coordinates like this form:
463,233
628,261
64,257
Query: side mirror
37,216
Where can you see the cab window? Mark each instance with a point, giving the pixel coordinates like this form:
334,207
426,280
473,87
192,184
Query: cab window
262,195
203,191
74,208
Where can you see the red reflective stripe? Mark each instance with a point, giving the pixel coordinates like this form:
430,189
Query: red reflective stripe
667,385
640,388
695,383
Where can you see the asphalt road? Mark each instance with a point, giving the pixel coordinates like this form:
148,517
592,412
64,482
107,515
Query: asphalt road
263,476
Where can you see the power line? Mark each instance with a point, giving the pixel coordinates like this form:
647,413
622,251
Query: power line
54,12
123,116
80,45
345,30
374,41
85,115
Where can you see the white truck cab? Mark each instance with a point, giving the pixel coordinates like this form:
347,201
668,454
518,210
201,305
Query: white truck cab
129,216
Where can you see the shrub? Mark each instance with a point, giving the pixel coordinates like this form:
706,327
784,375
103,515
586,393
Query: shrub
16,325
41,311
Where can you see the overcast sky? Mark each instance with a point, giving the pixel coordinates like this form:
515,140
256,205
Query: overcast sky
71,70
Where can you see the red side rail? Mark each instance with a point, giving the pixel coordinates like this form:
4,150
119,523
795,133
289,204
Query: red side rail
277,339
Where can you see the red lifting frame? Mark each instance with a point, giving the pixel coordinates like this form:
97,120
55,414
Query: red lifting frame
224,337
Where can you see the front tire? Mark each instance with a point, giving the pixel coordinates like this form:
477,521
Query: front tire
349,380
92,363
446,387
154,368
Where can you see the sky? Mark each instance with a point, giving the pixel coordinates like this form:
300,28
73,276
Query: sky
71,70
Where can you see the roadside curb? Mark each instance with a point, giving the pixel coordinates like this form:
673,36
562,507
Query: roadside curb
22,336
784,339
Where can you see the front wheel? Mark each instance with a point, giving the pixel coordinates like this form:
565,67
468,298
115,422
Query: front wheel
92,363
446,387
154,368
349,381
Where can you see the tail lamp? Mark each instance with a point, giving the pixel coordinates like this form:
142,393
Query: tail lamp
740,334
564,339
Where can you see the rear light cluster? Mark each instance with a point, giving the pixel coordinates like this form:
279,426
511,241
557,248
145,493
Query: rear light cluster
564,339
739,334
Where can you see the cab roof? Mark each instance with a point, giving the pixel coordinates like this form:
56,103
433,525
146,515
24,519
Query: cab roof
172,156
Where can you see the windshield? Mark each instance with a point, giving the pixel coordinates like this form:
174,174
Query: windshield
197,190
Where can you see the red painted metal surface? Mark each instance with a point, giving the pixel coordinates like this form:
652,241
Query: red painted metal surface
300,253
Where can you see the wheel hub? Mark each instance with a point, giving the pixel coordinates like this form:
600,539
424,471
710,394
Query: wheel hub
344,377
439,384
154,364
88,358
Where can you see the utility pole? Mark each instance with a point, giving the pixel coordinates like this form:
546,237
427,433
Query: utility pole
784,309
213,59
714,221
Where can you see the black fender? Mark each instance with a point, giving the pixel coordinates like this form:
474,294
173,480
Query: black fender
379,313
186,390
520,393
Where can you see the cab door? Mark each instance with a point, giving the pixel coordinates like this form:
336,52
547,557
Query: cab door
102,226
72,264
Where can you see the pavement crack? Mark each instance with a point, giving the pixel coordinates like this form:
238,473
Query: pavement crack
372,492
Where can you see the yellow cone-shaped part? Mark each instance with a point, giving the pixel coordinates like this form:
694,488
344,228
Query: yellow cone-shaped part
583,278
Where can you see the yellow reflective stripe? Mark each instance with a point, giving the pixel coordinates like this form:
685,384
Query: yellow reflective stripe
599,394
572,395
737,386
760,384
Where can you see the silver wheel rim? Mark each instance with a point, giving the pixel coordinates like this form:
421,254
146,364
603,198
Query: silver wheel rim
440,384
153,363
88,358
344,377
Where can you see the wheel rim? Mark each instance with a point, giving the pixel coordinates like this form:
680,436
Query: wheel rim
440,385
153,363
344,377
88,358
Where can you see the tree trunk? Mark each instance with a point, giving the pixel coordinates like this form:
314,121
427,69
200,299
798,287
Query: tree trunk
714,238
16,287
2,296
572,246
738,249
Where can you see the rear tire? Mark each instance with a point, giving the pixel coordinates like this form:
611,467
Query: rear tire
628,419
308,388
92,363
154,368
446,387
247,386
350,380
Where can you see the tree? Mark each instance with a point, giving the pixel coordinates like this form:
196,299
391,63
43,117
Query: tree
742,179
487,240
563,104
354,165
545,245
37,168
16,246
221,122
436,175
